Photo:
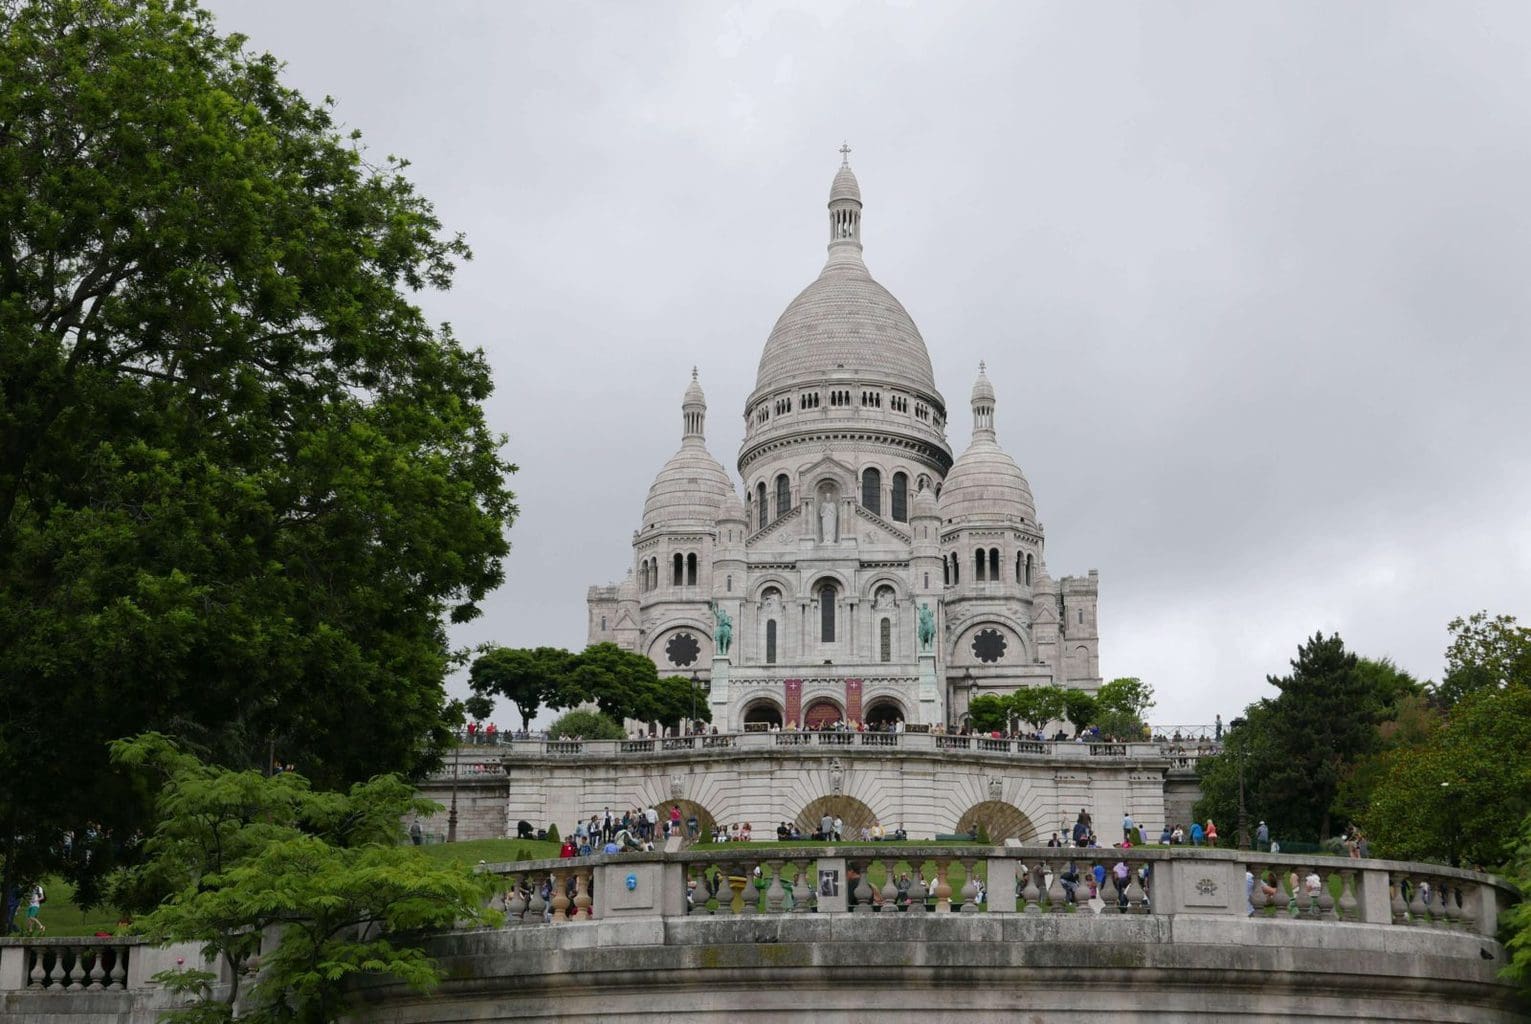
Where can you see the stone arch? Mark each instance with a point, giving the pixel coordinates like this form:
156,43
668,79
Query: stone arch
821,711
886,579
1001,821
882,709
823,576
852,812
766,710
704,819
661,655
960,650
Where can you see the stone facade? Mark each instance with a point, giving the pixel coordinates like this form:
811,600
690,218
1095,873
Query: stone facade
855,516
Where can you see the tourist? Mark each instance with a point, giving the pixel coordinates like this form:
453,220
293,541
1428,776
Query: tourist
826,828
1262,837
1054,841
1211,833
1197,833
1126,826
839,829
675,819
35,900
1166,837
416,833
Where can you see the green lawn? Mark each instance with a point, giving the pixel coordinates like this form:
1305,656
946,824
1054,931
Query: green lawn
64,918
492,851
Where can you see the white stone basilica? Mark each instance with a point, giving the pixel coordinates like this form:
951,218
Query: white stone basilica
855,517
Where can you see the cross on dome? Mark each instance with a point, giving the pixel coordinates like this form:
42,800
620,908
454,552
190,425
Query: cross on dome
845,154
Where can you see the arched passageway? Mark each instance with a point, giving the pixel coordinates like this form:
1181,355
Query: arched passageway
822,713
852,812
883,712
763,712
1000,821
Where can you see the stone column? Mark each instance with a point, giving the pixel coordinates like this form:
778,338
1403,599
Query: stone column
719,696
932,705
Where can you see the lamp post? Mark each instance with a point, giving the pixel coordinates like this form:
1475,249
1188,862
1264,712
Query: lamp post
691,725
452,812
1238,725
1453,826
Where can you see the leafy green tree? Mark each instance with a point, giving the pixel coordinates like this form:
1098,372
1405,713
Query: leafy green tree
1485,653
1517,919
1038,705
1460,792
1080,709
621,683
239,853
673,700
526,677
243,480
588,725
1128,695
989,712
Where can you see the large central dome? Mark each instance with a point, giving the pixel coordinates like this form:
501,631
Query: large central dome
845,323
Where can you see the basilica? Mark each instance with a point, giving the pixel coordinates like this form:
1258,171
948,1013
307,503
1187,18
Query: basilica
865,576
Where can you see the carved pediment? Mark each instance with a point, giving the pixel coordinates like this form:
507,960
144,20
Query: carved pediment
881,527
771,528
827,467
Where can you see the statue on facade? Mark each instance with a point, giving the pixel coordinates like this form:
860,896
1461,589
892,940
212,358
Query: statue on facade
927,628
836,776
723,636
829,519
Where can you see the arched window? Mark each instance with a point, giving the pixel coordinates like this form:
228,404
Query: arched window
680,569
691,570
770,641
994,564
871,491
783,495
885,640
760,504
1028,570
946,572
827,613
978,565
956,565
900,498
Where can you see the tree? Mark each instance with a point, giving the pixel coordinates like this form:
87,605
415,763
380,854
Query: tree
1080,708
526,677
1517,919
1485,653
672,701
1461,791
238,853
621,683
1038,705
989,712
243,480
1128,695
586,725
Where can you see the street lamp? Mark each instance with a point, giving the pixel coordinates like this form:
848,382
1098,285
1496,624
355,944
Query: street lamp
1238,725
1453,826
691,725
452,813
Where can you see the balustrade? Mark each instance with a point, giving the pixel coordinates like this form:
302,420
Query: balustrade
81,965
765,878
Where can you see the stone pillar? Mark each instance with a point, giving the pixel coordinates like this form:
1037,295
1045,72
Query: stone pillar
831,902
719,695
932,705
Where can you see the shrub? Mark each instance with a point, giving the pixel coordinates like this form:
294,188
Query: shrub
590,725
553,834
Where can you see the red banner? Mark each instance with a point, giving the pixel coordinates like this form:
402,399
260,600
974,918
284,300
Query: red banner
853,700
795,703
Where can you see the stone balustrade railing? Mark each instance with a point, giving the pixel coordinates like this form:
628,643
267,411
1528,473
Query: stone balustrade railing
913,742
67,964
765,878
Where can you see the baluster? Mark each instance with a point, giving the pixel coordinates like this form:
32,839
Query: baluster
889,888
1031,895
943,886
119,972
56,974
863,895
582,879
515,903
76,969
917,891
1436,905
1257,897
1057,895
1417,909
969,887
1137,898
38,976
696,894
776,896
1304,898
1456,915
1399,907
97,972
802,887
1347,895
1325,897
560,899
537,907
738,879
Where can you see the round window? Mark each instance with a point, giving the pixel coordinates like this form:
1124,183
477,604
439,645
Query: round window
682,649
989,645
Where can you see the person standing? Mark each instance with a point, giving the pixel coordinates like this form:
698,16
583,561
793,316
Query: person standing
416,833
1263,837
1127,827
35,900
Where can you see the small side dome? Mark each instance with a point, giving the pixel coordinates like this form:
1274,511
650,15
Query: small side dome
690,490
733,509
986,485
925,505
983,391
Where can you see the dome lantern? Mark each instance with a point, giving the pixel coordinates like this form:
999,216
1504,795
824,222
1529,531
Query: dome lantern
845,207
983,406
693,410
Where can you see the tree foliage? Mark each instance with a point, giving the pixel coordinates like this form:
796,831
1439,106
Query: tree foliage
1486,653
1517,919
243,480
989,712
1038,705
524,676
1080,709
239,853
586,725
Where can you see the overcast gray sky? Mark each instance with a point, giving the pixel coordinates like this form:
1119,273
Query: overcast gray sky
1251,280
